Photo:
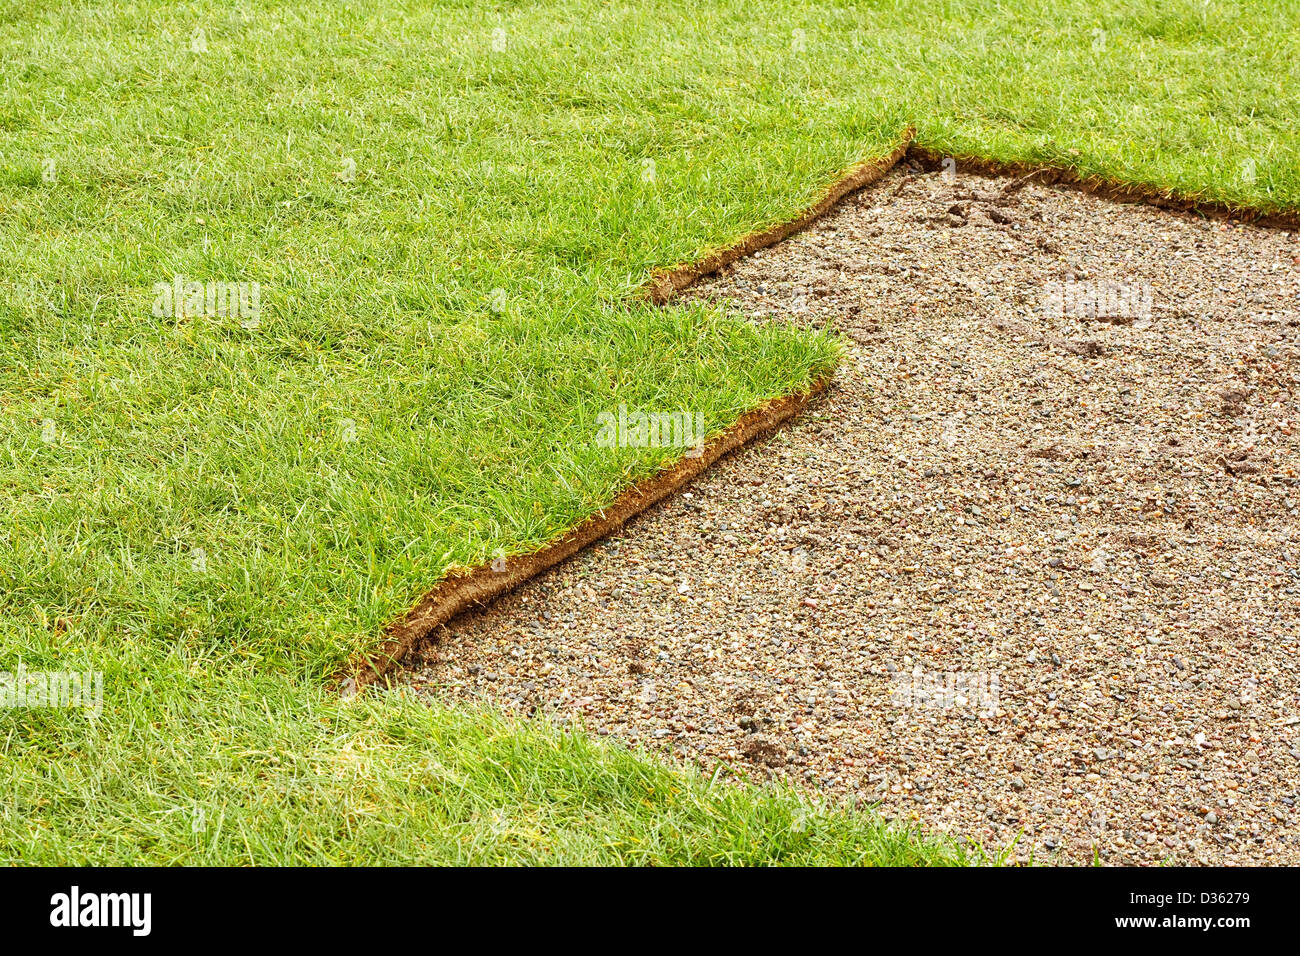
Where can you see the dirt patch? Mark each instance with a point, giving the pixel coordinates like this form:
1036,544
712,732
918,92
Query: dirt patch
1031,569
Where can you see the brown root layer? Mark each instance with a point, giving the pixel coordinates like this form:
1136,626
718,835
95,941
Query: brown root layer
665,284
483,584
1105,188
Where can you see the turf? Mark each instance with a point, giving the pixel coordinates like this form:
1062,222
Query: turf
447,208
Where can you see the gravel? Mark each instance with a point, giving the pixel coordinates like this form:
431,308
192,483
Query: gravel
1027,576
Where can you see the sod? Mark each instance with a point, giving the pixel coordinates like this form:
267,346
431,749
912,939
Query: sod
447,214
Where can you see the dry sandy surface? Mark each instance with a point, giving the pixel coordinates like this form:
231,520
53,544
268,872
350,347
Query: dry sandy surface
1089,522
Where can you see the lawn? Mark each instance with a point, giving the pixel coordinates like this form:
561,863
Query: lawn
446,210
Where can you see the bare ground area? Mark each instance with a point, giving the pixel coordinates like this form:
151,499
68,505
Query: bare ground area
1029,572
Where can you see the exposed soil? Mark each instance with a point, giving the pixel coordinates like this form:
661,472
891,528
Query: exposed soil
1082,507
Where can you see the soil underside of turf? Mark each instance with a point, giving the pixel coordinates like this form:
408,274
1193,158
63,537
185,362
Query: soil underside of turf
1028,570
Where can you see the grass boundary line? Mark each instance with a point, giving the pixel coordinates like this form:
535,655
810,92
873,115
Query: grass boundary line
481,585
1048,174
664,284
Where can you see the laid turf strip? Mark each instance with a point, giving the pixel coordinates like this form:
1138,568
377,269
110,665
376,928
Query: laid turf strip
446,211
1009,568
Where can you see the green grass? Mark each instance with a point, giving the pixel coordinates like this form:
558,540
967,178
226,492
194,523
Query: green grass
259,772
438,335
